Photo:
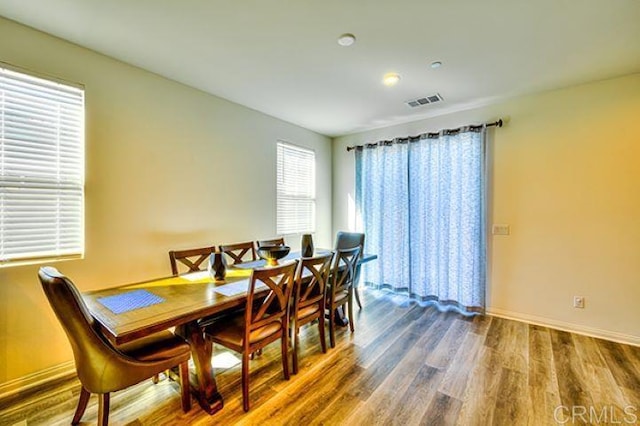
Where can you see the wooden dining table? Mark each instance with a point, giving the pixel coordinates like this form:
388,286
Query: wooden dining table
180,301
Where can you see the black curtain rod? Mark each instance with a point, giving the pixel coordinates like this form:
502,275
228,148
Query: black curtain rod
430,135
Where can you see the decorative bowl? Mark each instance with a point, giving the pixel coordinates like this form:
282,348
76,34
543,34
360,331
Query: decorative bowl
271,253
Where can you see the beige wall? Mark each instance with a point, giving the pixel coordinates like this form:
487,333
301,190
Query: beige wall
167,167
566,177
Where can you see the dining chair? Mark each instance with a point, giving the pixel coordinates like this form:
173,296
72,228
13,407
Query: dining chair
345,240
340,291
240,252
265,320
272,242
309,298
194,259
101,367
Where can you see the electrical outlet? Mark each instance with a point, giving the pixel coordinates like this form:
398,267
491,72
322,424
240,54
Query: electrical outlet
578,302
500,230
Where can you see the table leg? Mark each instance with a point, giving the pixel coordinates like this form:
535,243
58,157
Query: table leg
206,390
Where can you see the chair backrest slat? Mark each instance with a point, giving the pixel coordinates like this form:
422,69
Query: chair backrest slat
344,268
274,306
311,290
239,252
193,259
272,242
346,240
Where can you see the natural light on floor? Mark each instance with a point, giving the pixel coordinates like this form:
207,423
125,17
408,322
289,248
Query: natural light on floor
225,360
222,360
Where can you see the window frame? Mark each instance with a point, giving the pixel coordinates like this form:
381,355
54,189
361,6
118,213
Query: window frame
69,180
312,198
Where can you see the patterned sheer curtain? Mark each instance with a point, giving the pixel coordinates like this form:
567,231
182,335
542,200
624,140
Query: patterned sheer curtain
421,204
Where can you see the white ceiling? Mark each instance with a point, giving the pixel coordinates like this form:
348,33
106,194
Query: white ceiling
281,57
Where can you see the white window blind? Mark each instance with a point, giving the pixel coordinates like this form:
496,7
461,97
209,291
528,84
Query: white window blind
41,168
296,189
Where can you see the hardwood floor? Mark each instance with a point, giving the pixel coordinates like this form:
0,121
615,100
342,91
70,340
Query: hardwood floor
404,365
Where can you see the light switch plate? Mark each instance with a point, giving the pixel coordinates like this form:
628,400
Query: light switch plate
501,230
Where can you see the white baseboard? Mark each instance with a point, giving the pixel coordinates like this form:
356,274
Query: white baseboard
627,339
36,379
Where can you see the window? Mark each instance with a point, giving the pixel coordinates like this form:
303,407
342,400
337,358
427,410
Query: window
41,169
296,189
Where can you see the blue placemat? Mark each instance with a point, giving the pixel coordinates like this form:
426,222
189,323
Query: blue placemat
250,265
129,301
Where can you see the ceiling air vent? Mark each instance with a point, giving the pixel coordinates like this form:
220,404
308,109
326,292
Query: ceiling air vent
414,103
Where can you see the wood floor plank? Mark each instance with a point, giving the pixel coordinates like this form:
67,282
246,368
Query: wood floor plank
480,324
433,333
379,345
314,396
540,344
478,410
511,338
588,351
377,372
370,324
543,405
458,372
633,353
310,408
621,367
513,404
571,382
432,326
443,410
516,349
544,392
632,398
560,337
603,389
376,410
444,352
495,334
411,405
362,388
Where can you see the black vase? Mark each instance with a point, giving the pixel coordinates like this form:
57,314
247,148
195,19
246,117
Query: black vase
217,266
306,245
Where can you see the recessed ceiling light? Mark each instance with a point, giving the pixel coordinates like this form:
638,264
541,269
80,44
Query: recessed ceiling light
391,79
436,64
346,39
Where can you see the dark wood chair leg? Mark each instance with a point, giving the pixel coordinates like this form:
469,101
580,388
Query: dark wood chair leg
355,290
245,381
323,340
185,387
284,345
155,379
103,409
350,307
332,328
82,406
294,355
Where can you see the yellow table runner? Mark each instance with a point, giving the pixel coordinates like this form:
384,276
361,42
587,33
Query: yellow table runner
199,277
